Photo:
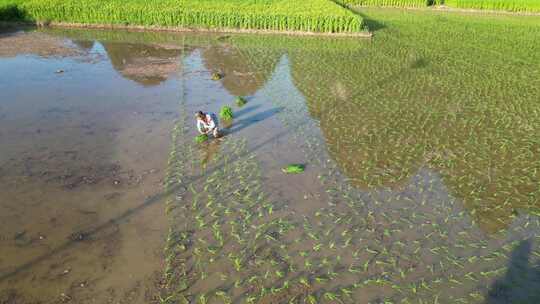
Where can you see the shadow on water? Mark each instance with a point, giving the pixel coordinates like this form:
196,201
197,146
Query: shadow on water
246,122
10,30
245,110
521,284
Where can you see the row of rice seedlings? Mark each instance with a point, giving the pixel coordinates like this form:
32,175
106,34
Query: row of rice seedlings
454,253
178,239
307,16
407,244
506,5
226,226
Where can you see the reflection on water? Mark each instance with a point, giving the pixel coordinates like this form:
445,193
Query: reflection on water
394,106
145,64
422,164
244,77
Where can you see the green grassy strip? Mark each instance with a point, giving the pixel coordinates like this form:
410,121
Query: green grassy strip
507,5
392,3
280,15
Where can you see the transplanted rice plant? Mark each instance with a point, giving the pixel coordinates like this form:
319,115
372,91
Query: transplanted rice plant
240,101
507,5
280,15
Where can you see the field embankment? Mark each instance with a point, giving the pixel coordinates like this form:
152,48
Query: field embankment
505,5
319,16
530,6
391,3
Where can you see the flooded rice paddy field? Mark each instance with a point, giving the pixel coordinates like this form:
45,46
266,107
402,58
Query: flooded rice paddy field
421,150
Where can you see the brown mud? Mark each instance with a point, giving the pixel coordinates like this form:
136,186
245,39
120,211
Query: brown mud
81,169
14,43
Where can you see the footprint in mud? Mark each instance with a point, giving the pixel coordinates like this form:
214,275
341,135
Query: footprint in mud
79,236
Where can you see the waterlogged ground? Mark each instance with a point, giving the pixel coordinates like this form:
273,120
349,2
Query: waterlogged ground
84,138
420,146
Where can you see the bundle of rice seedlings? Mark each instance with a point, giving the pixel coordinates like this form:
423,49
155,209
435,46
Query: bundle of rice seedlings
226,113
293,169
201,138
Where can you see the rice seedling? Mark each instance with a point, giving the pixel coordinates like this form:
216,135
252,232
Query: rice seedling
216,76
201,138
226,113
293,169
240,101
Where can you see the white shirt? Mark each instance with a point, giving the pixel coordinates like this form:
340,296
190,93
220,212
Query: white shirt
207,124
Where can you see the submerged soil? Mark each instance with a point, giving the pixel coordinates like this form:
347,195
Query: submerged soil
15,43
83,151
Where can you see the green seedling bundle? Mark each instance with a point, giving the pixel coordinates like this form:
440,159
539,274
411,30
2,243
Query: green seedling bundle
201,138
293,169
226,113
216,76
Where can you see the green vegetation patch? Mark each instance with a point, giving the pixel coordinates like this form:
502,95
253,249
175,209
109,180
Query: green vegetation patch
507,5
294,169
216,76
9,10
226,113
391,3
201,138
240,101
279,15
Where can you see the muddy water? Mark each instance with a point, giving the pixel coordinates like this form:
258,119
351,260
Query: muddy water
85,133
411,193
